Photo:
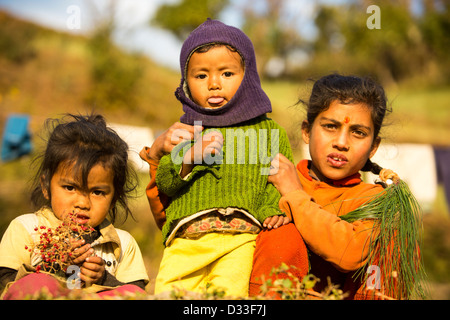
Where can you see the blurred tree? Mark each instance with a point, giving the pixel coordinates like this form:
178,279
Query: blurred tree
16,39
184,16
114,74
273,35
391,51
394,53
328,28
409,46
435,26
264,22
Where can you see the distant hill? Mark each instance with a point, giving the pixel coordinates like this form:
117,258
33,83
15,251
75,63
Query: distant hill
45,73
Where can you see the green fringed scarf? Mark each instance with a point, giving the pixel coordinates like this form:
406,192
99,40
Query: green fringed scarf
394,244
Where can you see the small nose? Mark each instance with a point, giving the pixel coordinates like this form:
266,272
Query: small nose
341,142
214,82
83,201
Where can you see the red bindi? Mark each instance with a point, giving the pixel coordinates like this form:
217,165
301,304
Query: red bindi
346,120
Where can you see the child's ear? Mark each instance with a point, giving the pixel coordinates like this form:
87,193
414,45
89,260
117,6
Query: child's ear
305,131
44,188
375,145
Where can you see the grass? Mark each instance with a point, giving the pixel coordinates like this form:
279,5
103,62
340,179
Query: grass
420,115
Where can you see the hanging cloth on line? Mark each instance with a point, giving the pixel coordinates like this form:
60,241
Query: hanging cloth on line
442,157
16,140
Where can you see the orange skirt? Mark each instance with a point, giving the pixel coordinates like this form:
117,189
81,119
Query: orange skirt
273,248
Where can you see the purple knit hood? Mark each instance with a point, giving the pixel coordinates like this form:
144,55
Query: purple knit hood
249,102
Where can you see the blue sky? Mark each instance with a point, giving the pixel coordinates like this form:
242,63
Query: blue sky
132,17
134,31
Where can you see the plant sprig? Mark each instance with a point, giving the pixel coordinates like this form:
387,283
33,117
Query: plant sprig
287,286
395,241
53,252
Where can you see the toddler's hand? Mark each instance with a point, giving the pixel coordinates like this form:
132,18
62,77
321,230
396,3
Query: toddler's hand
177,133
210,145
275,222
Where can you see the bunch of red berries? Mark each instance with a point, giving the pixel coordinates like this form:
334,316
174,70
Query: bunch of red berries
54,250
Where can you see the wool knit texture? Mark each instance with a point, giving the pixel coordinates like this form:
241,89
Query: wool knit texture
249,102
238,180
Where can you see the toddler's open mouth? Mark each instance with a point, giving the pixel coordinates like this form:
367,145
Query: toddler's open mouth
215,100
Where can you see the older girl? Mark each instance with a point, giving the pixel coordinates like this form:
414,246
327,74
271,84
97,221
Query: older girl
344,117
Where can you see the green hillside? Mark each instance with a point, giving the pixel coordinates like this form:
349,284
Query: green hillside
45,73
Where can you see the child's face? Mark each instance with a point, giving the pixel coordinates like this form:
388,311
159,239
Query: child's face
341,140
92,204
213,77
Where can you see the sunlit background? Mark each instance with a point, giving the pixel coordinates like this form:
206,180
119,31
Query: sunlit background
120,58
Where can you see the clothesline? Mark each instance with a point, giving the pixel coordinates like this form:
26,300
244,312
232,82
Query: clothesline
421,166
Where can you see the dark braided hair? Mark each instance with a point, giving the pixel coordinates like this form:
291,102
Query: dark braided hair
347,90
372,167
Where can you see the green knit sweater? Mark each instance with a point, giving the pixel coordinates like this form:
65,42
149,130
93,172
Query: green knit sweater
236,179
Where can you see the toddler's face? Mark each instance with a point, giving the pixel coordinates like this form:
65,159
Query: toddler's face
214,76
92,204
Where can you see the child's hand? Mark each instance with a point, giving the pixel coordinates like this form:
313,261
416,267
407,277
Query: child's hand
275,222
80,251
210,144
386,174
92,270
283,175
177,133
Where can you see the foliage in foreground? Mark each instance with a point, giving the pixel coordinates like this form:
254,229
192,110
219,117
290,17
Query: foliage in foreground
290,288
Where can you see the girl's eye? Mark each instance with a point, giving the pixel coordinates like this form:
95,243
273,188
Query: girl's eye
329,126
201,76
98,192
228,74
360,133
69,188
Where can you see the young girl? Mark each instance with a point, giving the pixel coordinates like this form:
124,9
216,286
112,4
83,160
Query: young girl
84,173
219,195
344,117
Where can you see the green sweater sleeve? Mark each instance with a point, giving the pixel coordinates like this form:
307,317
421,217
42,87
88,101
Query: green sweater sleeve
168,179
269,207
